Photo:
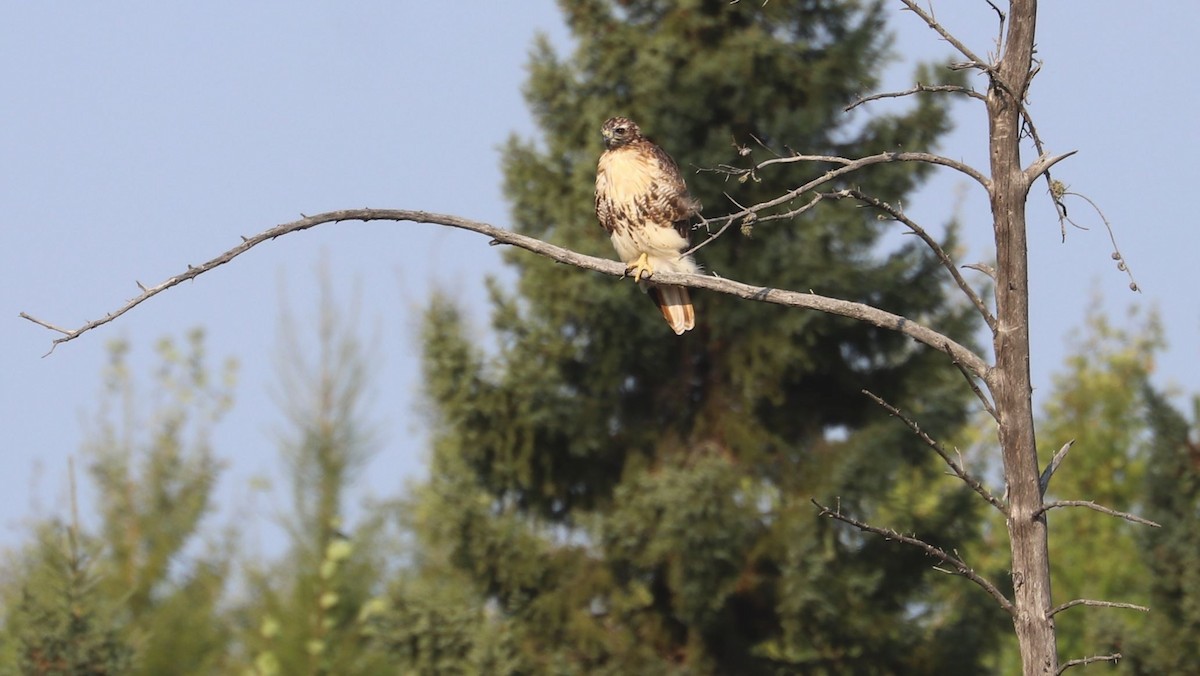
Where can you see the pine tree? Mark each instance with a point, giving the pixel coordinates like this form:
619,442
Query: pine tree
1097,401
1170,640
138,595
155,474
55,622
303,611
629,501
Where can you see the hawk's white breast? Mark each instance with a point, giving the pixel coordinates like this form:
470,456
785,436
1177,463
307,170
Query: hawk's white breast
625,177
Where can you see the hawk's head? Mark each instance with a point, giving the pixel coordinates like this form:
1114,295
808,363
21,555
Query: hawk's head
619,131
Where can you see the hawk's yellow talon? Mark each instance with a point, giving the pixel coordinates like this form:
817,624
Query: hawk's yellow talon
636,268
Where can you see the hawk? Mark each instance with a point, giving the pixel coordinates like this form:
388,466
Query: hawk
643,203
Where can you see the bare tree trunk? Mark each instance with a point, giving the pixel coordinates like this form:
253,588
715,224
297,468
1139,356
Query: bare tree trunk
1010,379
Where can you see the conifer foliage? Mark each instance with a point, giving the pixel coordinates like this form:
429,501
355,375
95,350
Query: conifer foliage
306,612
1098,401
57,624
629,501
137,593
1168,644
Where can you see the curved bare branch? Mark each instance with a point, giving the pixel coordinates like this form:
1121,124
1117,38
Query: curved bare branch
1097,507
751,219
847,166
1097,604
976,62
960,567
918,89
955,466
943,257
1084,661
811,301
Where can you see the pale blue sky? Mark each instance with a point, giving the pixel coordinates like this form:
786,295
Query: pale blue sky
140,137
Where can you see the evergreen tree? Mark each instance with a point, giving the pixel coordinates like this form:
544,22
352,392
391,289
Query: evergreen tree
1097,401
155,475
434,624
55,624
1170,640
627,501
302,615
138,596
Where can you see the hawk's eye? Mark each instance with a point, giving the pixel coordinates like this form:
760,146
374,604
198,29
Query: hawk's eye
621,131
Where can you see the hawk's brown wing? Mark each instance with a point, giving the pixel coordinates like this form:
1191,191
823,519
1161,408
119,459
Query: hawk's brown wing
669,194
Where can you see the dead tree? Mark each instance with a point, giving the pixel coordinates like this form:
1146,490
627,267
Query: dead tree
1003,387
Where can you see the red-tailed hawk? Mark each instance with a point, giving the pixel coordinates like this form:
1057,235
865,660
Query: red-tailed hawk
643,203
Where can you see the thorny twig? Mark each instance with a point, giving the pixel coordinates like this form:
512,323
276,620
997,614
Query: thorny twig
750,219
944,258
1097,604
979,393
918,89
1097,507
973,60
956,467
959,566
1114,658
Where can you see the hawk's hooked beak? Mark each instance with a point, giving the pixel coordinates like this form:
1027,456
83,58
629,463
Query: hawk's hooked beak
607,134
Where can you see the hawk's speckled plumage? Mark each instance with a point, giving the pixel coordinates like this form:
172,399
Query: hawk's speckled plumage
643,203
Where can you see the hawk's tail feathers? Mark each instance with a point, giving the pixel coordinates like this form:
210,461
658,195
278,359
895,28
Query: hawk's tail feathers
676,306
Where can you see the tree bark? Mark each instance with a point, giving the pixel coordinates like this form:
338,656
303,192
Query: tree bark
1010,381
